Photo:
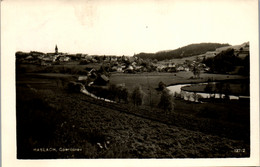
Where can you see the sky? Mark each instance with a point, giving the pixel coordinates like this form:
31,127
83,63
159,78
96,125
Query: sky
128,27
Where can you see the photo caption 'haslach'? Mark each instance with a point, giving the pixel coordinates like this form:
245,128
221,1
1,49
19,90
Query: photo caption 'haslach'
57,149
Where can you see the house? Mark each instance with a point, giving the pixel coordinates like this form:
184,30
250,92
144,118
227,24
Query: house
47,59
134,64
138,68
29,58
114,68
90,70
36,54
40,57
160,67
82,78
206,69
119,69
64,58
51,54
43,63
101,80
180,68
113,58
171,69
171,65
129,69
131,59
186,69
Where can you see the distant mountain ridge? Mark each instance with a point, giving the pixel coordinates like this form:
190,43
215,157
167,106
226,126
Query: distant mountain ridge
186,51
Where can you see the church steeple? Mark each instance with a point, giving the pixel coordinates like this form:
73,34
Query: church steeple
56,49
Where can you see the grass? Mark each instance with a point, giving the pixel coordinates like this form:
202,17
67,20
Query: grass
71,120
64,69
149,82
152,79
236,87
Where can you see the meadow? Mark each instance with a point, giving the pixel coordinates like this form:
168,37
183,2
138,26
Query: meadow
149,81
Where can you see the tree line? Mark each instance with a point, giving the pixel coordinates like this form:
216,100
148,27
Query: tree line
226,62
186,51
121,94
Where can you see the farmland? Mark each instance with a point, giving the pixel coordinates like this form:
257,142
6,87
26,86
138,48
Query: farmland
51,117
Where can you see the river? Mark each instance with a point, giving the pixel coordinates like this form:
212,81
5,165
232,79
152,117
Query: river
195,92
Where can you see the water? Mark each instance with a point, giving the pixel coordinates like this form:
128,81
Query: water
177,88
192,96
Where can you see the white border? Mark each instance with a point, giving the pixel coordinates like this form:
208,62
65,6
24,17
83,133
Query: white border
9,127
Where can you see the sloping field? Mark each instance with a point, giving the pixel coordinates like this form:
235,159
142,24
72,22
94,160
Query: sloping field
95,131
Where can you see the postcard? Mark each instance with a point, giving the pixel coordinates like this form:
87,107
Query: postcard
127,83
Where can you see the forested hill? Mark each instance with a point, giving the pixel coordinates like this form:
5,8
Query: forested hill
186,51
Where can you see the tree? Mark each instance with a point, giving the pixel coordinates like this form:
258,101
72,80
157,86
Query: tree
123,94
166,101
227,91
196,71
224,62
113,92
137,96
219,87
161,86
194,96
210,89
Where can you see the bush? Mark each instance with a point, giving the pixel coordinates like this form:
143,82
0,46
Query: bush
75,86
166,101
123,94
137,96
161,86
113,92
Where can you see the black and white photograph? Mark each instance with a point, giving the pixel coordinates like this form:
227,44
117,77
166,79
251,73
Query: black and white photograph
131,80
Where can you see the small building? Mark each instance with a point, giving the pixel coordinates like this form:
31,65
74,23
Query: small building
180,68
82,78
119,69
64,58
29,58
101,80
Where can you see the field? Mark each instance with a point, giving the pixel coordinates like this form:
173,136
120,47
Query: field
55,123
149,81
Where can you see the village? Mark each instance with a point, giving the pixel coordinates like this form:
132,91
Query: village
124,64
97,69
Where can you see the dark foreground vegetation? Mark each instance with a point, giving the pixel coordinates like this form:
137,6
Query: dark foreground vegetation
53,122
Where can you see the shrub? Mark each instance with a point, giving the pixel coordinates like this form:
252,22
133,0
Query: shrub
137,96
75,86
113,92
123,94
161,86
166,101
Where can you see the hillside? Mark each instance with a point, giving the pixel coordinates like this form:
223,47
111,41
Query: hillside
73,125
244,46
186,51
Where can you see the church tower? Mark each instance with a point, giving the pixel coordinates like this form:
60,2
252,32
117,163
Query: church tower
56,49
